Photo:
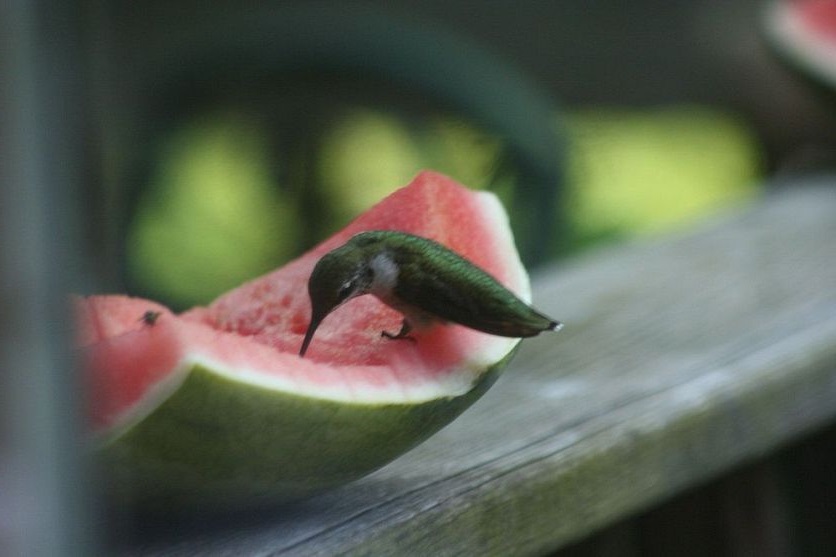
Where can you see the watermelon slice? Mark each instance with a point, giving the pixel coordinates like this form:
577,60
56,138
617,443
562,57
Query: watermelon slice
215,405
804,33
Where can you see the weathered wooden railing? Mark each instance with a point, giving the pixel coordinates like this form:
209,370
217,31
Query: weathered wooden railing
682,358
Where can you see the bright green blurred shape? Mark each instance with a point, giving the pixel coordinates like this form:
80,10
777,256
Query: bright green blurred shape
462,151
213,216
370,153
656,170
365,156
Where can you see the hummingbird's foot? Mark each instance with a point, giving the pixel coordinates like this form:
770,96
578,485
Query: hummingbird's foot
403,334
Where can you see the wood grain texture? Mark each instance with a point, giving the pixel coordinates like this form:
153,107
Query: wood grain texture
681,358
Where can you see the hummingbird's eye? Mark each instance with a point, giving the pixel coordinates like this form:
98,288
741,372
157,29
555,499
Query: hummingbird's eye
345,292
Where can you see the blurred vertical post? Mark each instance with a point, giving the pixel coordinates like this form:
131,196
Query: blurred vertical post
44,505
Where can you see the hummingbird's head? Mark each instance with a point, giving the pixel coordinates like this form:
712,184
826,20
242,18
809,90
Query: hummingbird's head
340,275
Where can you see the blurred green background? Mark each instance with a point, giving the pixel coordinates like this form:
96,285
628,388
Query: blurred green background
239,136
215,212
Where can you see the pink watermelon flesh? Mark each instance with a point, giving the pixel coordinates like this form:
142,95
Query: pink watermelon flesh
819,16
804,33
253,333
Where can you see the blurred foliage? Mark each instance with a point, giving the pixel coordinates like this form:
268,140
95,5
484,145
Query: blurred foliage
213,217
371,153
216,215
634,172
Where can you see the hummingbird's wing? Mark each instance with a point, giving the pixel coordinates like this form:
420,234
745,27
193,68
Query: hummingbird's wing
460,292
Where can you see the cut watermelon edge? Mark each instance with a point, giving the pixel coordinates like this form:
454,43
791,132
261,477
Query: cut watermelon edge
789,30
451,384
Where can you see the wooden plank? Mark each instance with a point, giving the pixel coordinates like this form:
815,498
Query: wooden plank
681,358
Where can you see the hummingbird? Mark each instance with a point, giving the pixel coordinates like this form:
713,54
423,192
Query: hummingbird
424,281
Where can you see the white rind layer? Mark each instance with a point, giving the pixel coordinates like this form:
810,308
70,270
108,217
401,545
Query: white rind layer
518,280
451,384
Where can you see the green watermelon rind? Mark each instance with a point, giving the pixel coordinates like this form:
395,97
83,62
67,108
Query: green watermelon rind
215,441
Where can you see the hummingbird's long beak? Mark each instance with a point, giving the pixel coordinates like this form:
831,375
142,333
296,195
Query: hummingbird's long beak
315,321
